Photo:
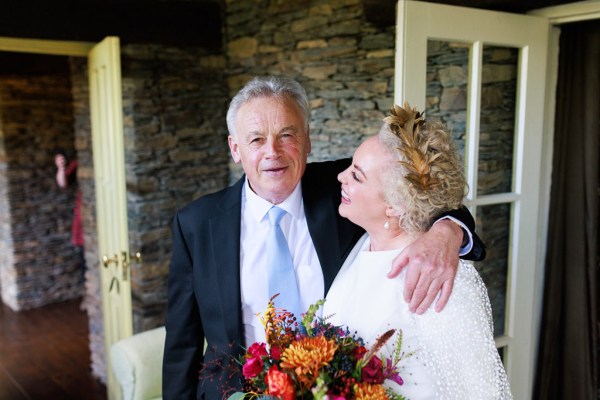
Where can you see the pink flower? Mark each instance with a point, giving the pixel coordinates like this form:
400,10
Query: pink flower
373,371
391,372
252,367
257,350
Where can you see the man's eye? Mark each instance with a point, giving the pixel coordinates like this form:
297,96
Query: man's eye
355,177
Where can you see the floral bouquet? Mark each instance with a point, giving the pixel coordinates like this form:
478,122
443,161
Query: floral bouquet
316,360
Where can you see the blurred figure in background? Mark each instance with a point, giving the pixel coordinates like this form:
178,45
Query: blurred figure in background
66,176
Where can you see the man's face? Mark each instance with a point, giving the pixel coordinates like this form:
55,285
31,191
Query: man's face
272,145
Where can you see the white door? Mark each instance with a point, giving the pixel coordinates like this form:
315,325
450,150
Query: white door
483,73
104,68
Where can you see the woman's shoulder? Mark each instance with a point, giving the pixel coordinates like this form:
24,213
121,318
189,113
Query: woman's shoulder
467,274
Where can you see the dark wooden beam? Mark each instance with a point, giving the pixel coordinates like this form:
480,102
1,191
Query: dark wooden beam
163,22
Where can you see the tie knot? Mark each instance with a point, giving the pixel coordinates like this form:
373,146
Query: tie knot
275,215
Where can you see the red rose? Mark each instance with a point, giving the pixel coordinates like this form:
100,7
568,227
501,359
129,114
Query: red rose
257,350
373,371
280,384
276,352
252,367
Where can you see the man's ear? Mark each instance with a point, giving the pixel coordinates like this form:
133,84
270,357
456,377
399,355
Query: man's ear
234,149
308,150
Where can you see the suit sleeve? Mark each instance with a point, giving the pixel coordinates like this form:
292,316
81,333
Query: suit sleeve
462,214
185,337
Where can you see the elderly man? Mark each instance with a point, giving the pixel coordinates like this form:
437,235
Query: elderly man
218,278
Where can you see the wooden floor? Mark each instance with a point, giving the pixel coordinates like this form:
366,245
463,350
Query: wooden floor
44,354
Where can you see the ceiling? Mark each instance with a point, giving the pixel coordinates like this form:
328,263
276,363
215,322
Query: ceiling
382,13
175,22
517,6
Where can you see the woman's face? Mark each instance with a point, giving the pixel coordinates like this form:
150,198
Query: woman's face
362,192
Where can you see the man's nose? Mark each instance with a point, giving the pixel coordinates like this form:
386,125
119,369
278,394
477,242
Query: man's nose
273,146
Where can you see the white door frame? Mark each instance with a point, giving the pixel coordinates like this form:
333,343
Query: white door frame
419,22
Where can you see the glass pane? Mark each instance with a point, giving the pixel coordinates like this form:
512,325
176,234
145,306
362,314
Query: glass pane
493,226
502,352
447,87
497,119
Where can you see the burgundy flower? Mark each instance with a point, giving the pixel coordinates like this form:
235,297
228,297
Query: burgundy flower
276,352
373,371
252,367
358,352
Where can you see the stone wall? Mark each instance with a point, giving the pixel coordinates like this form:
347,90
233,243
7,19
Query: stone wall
174,102
345,63
38,264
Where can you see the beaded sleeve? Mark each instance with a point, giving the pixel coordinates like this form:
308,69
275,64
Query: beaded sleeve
457,344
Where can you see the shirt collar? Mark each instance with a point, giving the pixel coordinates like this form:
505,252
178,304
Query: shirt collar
258,207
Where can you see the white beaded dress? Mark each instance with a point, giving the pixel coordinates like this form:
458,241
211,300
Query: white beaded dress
454,352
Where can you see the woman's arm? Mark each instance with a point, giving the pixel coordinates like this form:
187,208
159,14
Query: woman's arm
457,344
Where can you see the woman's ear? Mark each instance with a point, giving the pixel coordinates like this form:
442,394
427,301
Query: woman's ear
392,211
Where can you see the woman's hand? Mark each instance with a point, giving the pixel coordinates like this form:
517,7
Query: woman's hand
431,263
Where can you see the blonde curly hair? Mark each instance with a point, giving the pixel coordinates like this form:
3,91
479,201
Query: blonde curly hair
427,176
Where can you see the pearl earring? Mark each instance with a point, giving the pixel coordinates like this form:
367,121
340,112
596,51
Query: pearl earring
386,226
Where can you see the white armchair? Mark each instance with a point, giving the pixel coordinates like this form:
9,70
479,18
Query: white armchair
137,364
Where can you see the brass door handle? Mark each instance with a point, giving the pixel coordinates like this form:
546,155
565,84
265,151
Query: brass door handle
137,258
107,260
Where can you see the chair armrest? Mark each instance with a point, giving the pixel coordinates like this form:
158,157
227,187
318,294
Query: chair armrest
137,364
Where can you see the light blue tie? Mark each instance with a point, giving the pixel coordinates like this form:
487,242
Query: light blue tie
282,277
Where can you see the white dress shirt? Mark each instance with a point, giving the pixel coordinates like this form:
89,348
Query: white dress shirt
253,246
469,245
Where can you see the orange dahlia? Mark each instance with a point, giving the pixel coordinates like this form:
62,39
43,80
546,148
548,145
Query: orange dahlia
366,391
306,357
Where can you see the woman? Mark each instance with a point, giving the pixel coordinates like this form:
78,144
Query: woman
397,181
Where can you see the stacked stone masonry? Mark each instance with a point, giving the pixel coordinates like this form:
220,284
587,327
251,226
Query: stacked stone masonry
38,264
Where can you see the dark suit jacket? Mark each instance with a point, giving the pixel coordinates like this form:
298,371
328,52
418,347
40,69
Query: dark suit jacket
204,280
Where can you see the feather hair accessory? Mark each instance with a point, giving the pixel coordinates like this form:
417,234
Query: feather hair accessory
407,124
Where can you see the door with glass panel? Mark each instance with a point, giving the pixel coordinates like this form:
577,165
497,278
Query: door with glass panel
483,74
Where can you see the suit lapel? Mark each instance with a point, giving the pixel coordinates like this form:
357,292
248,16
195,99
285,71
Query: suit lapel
225,242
